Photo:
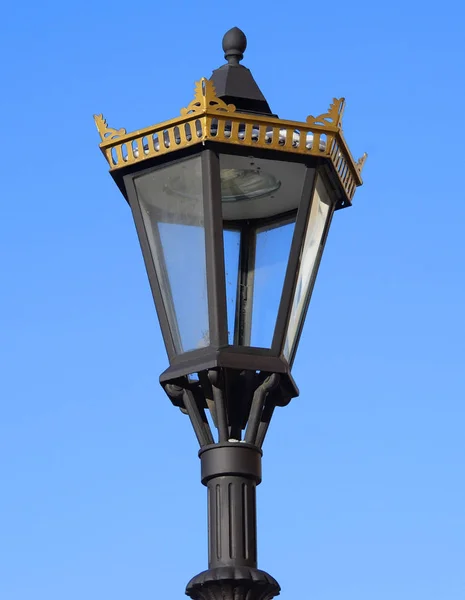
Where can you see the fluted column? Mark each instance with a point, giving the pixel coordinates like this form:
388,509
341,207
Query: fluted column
231,472
232,528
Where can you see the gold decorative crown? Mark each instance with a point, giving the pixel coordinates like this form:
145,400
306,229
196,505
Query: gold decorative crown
207,117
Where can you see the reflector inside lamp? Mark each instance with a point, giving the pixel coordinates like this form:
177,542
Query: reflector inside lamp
251,187
246,184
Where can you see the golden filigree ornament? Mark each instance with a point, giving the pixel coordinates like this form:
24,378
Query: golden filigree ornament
361,162
332,118
209,118
205,99
107,133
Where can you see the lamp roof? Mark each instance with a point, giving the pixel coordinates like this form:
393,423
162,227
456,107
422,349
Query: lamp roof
233,82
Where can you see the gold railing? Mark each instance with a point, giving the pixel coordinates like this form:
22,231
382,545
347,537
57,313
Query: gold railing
209,118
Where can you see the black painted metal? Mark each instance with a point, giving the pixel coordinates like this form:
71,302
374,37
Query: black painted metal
245,284
238,401
217,384
258,405
231,473
267,414
233,82
231,357
216,284
196,413
234,45
233,583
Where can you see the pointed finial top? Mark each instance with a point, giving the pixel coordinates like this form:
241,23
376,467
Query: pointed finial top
234,45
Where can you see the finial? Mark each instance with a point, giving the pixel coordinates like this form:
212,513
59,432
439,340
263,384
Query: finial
234,45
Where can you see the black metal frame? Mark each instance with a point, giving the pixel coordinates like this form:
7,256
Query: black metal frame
318,258
219,354
216,281
245,284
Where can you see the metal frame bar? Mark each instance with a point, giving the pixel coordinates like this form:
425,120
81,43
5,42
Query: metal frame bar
287,295
214,247
198,419
267,415
181,395
244,302
316,268
217,384
257,408
233,357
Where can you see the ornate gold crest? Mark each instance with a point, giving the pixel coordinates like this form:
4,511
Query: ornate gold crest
208,117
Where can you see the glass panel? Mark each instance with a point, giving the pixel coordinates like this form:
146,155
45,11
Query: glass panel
256,191
271,257
232,242
319,213
172,208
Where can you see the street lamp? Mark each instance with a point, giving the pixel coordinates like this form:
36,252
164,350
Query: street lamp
232,206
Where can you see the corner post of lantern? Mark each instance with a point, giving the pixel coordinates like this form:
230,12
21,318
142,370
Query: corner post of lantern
216,284
220,195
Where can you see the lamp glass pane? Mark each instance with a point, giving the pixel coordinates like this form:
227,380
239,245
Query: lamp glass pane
172,209
272,250
320,212
232,243
260,198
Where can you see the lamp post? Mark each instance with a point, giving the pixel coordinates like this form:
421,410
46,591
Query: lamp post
232,206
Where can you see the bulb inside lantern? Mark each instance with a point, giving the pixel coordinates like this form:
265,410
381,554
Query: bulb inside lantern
246,184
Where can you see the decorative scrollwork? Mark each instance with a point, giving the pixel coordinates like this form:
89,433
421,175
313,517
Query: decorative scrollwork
107,133
333,117
208,117
361,162
205,98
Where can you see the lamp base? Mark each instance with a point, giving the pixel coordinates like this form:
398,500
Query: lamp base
233,583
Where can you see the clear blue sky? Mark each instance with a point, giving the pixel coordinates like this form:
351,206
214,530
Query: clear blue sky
100,494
